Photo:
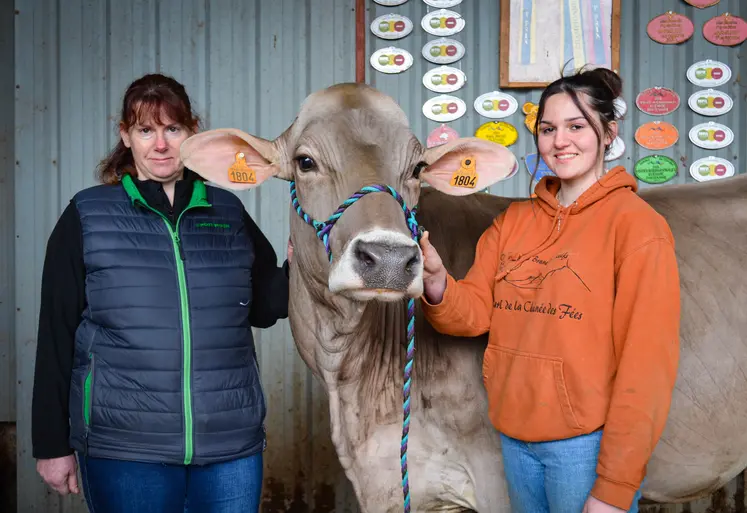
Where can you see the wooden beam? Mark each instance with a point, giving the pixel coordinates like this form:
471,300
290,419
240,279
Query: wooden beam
360,41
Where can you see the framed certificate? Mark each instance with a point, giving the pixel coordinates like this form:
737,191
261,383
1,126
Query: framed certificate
543,39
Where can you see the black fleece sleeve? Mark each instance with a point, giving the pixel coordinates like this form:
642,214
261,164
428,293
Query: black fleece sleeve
269,282
62,303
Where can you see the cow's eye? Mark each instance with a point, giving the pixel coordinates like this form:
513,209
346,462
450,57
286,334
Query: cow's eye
418,168
306,163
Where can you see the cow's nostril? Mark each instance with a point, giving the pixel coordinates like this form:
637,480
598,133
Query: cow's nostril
368,254
412,263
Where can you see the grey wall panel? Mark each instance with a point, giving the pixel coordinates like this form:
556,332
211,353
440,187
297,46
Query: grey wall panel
249,65
7,217
643,63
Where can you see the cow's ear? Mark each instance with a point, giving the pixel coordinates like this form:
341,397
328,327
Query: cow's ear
231,158
468,165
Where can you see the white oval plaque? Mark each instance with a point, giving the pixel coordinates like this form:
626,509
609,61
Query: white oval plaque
496,105
391,60
442,4
711,136
443,51
617,149
709,73
444,108
442,22
444,79
391,26
390,3
710,102
711,168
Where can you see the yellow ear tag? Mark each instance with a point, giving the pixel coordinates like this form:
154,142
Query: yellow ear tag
465,176
240,172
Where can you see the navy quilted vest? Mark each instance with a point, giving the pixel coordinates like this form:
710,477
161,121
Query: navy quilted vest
164,368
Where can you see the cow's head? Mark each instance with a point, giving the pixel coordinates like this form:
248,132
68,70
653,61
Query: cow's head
346,137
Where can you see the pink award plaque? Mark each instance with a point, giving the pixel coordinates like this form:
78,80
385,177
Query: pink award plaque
670,28
725,30
658,101
702,4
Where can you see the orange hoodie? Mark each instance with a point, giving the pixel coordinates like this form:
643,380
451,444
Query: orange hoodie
583,306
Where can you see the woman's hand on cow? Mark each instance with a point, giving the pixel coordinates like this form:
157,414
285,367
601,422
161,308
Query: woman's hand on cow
594,505
434,272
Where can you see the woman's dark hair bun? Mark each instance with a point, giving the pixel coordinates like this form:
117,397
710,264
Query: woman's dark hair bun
603,78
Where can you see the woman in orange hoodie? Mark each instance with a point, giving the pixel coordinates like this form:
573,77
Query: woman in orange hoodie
579,292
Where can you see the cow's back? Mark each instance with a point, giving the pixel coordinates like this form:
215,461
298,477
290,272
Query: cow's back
704,444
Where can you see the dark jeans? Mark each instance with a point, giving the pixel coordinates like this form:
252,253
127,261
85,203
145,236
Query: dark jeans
115,486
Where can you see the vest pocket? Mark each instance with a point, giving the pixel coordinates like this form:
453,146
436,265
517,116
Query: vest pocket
527,395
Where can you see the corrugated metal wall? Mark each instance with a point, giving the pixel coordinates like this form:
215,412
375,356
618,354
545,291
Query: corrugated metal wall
643,62
7,228
249,64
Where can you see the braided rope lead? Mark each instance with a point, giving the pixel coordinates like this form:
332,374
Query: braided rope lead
322,232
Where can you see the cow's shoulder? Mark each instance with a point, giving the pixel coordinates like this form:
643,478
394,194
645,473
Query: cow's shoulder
635,222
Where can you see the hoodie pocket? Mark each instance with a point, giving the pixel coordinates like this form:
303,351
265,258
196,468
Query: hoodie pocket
527,395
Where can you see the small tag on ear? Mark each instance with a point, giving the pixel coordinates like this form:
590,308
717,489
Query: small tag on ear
240,172
466,175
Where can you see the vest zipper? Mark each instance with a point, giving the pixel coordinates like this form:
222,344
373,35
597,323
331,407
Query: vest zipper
186,332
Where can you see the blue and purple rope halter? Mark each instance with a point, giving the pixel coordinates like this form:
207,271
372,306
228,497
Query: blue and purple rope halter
322,232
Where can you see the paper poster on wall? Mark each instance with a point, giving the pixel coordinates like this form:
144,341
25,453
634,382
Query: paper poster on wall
539,38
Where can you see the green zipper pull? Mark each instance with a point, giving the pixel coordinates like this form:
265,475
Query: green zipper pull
181,250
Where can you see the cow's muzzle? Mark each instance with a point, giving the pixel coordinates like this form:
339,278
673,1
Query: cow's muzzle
379,264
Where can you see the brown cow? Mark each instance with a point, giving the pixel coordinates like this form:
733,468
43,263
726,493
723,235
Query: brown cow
348,317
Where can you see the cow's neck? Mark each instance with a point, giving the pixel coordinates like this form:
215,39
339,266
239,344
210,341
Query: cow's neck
356,348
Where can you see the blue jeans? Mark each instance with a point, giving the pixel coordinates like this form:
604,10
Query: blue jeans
552,477
116,486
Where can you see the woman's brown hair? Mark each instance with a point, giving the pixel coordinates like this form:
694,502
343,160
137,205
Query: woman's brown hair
601,87
146,99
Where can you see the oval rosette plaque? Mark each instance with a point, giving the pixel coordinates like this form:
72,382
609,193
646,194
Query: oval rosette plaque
496,105
391,26
658,101
442,22
670,28
711,136
391,60
725,30
444,108
444,79
711,168
710,102
709,73
443,51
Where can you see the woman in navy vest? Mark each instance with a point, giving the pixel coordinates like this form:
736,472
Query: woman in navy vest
146,371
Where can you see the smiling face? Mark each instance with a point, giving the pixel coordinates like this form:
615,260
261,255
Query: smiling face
568,142
155,148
